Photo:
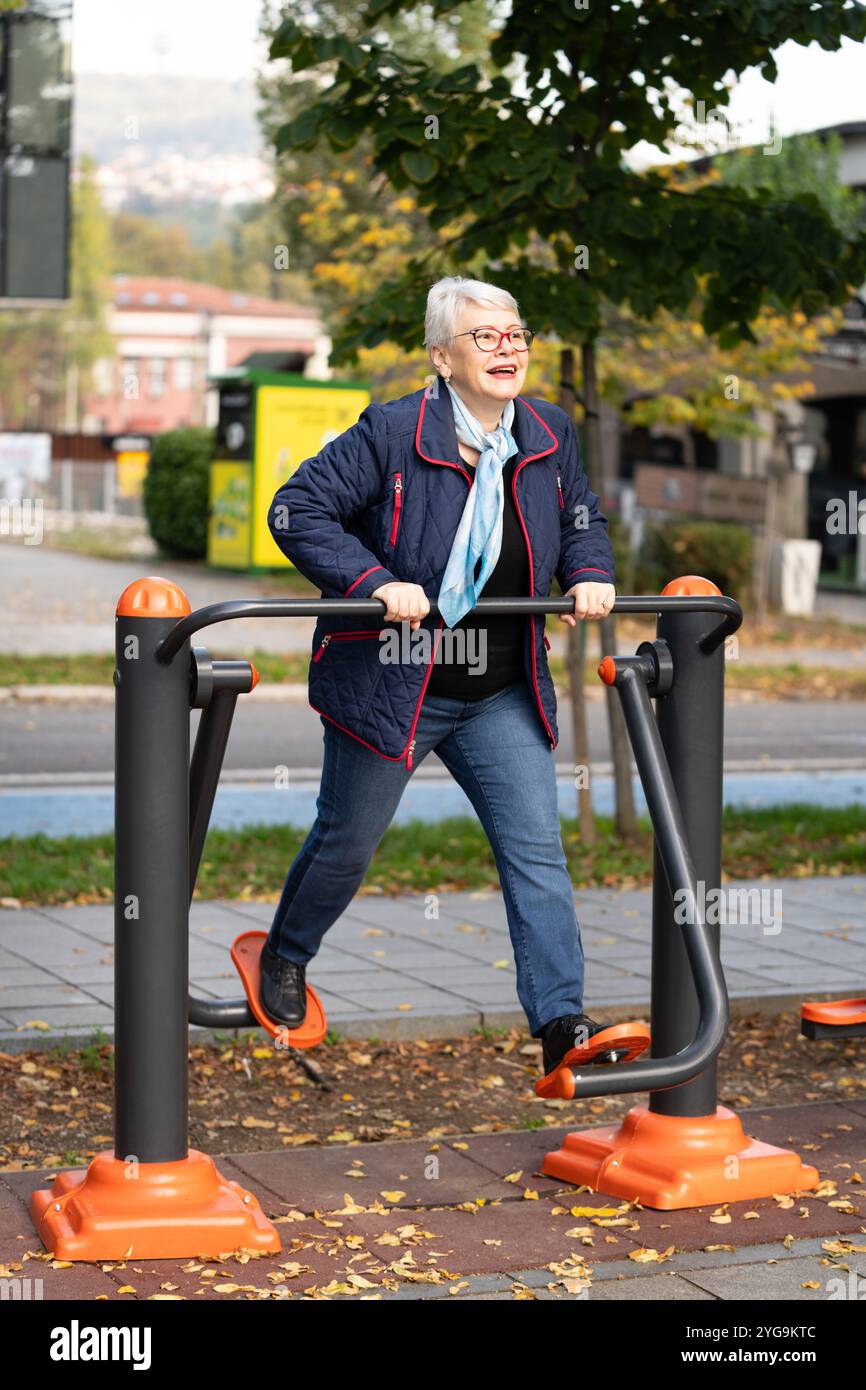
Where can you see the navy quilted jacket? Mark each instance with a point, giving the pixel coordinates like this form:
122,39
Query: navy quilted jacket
382,502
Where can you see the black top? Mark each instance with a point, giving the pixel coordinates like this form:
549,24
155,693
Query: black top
477,658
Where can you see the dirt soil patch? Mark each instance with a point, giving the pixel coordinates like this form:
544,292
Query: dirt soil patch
56,1107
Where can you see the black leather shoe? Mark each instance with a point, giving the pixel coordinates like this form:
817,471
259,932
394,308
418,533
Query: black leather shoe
562,1034
283,989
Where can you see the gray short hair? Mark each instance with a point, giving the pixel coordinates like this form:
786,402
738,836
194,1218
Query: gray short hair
448,296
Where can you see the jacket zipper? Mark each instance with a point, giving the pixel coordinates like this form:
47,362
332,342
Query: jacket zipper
411,748
342,637
559,491
398,504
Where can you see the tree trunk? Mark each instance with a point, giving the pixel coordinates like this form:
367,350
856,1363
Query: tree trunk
626,819
576,650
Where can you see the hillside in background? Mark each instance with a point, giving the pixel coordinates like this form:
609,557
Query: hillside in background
183,151
193,115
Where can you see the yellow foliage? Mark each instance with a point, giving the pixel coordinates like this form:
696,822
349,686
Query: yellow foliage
670,373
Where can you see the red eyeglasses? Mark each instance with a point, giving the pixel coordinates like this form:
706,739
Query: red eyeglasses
489,339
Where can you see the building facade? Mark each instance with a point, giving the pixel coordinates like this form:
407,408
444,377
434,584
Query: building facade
172,337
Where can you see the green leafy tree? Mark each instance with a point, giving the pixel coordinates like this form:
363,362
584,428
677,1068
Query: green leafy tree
142,245
243,256
669,371
345,226
48,354
528,179
85,322
804,165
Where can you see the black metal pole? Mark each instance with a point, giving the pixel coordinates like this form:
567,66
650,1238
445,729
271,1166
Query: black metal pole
151,898
204,773
691,726
672,1067
216,687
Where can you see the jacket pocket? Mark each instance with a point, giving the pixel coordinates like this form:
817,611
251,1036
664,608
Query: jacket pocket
330,637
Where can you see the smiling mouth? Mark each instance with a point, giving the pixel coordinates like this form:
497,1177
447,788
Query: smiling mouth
502,371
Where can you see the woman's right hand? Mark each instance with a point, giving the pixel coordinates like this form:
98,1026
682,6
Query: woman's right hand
404,602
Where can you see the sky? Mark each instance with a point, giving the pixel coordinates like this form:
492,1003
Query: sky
187,38
218,38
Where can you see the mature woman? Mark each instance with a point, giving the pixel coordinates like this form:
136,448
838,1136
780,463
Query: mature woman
460,489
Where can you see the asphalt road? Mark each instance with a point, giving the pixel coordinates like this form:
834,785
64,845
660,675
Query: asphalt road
56,739
54,601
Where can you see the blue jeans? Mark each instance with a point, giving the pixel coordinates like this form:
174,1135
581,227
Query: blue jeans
497,750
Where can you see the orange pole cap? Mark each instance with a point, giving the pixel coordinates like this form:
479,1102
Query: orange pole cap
607,670
256,677
152,597
690,586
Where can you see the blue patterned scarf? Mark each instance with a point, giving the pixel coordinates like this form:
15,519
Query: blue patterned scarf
479,534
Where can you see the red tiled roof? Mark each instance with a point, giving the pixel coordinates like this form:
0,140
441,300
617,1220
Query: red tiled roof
164,293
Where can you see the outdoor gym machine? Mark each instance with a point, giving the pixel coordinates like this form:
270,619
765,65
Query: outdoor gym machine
152,1197
683,1149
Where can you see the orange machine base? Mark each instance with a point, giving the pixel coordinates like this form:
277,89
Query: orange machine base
668,1163
159,1211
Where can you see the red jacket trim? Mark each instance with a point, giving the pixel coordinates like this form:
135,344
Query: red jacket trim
356,582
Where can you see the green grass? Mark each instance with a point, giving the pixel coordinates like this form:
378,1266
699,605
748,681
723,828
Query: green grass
103,543
425,858
93,1056
783,681
55,670
97,669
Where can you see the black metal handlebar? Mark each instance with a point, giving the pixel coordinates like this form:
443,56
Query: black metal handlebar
732,614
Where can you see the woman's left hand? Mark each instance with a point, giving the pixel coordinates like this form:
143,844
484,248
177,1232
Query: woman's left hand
591,600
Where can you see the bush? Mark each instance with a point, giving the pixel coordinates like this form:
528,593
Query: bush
176,492
718,550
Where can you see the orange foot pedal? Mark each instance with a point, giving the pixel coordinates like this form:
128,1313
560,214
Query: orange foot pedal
623,1042
246,954
838,1018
